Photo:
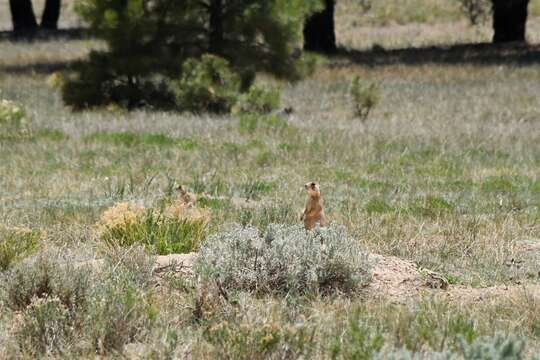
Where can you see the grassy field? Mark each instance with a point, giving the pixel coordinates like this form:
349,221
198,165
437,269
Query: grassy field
444,173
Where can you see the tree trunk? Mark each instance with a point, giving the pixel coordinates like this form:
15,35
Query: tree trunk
216,27
319,33
22,15
509,20
51,13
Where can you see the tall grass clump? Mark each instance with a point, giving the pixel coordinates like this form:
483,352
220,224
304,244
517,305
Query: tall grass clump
365,97
122,306
176,228
15,244
61,307
258,100
13,121
285,259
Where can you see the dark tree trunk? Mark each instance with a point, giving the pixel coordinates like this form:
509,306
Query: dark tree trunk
22,15
51,13
216,27
319,33
509,20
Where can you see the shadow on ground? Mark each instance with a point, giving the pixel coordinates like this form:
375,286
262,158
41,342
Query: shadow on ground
461,54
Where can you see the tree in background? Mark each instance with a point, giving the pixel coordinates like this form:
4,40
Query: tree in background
509,20
24,19
51,14
319,30
149,41
22,15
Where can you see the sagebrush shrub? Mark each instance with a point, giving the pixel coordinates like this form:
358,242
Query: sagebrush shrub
285,259
258,100
121,306
45,327
500,346
16,243
176,228
13,121
364,97
46,274
207,84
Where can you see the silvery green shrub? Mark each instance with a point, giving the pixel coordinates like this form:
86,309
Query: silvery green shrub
499,347
285,259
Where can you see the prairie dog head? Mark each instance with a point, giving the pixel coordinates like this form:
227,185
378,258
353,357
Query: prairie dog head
181,189
313,189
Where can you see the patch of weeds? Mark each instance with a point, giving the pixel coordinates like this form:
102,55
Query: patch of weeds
249,123
432,324
288,148
360,340
252,189
431,206
46,274
69,213
46,327
377,206
130,139
265,158
499,184
258,100
121,308
364,97
51,134
453,279
500,346
238,337
261,217
177,228
14,123
285,260
214,203
15,244
187,144
213,185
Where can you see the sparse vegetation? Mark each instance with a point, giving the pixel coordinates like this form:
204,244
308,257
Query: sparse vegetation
364,98
442,176
16,243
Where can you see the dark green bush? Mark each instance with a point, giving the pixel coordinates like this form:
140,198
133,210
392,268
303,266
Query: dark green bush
258,100
207,84
150,43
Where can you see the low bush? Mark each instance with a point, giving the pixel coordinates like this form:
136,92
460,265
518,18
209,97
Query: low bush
176,228
285,259
121,307
500,346
64,308
258,100
15,244
208,84
46,326
47,274
364,98
13,121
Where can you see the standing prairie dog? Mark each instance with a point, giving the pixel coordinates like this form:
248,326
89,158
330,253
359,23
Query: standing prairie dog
186,197
313,212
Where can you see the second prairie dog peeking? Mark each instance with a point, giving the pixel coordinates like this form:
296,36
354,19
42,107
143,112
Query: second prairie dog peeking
313,212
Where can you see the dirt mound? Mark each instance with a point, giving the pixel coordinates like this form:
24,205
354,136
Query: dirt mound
400,280
393,279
